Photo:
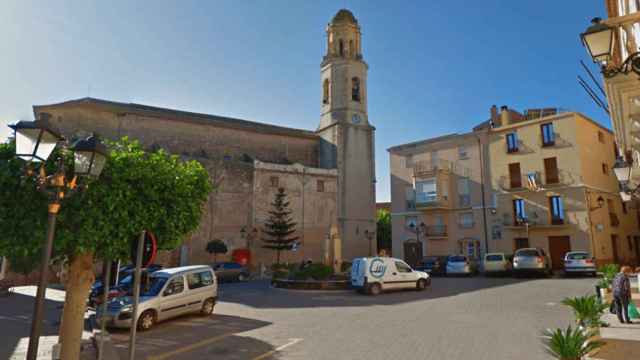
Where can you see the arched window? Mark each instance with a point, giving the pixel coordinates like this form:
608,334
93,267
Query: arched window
351,50
325,91
355,89
341,47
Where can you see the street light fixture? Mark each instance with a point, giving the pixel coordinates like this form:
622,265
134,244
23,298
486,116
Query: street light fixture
35,142
598,39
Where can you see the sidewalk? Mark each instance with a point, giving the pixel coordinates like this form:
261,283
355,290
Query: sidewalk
622,341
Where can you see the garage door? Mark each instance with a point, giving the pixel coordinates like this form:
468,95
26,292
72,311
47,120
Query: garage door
558,247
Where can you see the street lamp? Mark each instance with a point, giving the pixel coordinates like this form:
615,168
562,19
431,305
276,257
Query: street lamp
598,39
369,235
35,142
422,228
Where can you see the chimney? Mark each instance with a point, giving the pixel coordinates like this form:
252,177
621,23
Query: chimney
494,116
504,115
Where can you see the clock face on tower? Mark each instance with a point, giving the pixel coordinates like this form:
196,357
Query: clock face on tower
355,119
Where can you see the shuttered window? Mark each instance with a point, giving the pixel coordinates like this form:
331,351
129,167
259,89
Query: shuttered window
551,170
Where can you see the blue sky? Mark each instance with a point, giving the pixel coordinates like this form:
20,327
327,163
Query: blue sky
435,67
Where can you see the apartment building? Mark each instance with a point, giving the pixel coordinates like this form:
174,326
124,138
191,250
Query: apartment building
551,173
438,197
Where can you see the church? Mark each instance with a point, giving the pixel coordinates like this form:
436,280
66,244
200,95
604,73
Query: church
328,173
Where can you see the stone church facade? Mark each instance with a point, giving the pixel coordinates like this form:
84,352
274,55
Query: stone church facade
328,173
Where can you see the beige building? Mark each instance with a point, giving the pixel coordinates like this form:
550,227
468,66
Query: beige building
439,182
551,172
328,173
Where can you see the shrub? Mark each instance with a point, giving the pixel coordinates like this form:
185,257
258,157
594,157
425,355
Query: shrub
572,344
313,271
608,271
587,309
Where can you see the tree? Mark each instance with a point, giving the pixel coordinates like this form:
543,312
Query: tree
216,247
383,229
279,226
137,191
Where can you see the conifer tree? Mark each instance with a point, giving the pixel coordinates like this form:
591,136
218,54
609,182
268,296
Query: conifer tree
279,227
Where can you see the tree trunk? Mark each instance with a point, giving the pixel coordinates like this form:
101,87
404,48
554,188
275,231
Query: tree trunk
81,277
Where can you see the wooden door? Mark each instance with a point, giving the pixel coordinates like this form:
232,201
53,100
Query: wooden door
614,248
520,243
551,170
558,247
515,177
412,252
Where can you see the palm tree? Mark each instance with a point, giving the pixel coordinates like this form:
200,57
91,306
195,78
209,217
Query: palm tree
587,309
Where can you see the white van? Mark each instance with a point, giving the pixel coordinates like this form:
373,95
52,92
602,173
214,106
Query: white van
376,274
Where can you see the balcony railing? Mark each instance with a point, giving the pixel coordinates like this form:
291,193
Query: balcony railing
428,168
436,230
429,202
541,180
534,220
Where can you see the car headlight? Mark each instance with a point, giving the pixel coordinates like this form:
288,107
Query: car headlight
126,308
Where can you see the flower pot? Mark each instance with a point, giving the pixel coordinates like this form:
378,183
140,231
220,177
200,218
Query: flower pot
606,295
595,338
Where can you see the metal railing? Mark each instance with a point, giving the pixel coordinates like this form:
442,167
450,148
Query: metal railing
436,230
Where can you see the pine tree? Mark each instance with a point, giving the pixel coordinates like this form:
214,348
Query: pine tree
279,226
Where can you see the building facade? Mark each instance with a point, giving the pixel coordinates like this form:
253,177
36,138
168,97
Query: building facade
438,196
554,188
328,173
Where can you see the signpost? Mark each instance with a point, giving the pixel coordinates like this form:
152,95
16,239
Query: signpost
136,292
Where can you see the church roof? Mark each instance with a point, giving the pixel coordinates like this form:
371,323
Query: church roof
184,116
344,16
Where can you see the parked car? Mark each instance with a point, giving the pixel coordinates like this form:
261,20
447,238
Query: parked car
496,263
125,280
230,271
461,265
433,265
169,293
374,275
579,262
531,260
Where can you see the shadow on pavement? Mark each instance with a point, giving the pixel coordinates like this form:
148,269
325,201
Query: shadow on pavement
260,294
195,337
618,349
15,324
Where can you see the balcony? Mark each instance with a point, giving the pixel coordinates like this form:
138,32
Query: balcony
426,202
534,222
562,178
436,230
427,168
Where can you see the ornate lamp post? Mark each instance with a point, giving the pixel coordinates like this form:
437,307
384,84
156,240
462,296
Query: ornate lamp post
422,228
35,142
598,39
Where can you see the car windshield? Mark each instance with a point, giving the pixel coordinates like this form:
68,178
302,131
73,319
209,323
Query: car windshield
457,258
527,253
579,256
494,257
152,287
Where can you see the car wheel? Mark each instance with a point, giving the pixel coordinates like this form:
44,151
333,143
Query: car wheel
146,320
242,277
421,284
375,289
207,307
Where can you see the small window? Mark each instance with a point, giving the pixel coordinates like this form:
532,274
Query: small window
410,194
548,136
601,136
465,220
341,47
519,212
557,210
411,220
320,185
274,181
325,91
496,232
512,142
408,161
462,152
175,286
402,267
199,279
355,89
605,169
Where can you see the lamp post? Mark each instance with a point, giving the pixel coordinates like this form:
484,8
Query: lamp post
35,142
422,228
598,39
369,235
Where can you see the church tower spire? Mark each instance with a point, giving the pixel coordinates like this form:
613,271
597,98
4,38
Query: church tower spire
347,137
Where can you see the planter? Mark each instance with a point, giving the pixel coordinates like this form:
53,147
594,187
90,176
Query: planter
606,295
311,284
595,338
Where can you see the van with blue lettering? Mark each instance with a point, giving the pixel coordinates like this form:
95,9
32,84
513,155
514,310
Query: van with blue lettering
373,275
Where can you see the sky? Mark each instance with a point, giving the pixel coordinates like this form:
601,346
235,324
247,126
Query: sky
435,67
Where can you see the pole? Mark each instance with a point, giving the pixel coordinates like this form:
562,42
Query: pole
36,322
136,298
106,279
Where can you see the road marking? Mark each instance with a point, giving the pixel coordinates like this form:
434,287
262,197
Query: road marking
279,348
189,347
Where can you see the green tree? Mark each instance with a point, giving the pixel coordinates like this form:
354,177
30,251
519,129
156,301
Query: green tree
383,230
215,247
279,227
137,191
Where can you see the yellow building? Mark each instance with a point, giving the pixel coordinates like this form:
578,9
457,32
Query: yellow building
551,172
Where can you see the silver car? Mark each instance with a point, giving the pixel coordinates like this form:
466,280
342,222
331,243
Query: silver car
531,260
461,265
579,262
166,294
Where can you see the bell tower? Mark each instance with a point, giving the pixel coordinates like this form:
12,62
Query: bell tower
347,137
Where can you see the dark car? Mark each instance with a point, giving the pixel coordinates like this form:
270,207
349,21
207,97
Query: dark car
230,271
433,265
125,280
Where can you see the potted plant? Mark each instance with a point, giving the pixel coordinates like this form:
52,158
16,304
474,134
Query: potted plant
608,271
570,344
588,312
